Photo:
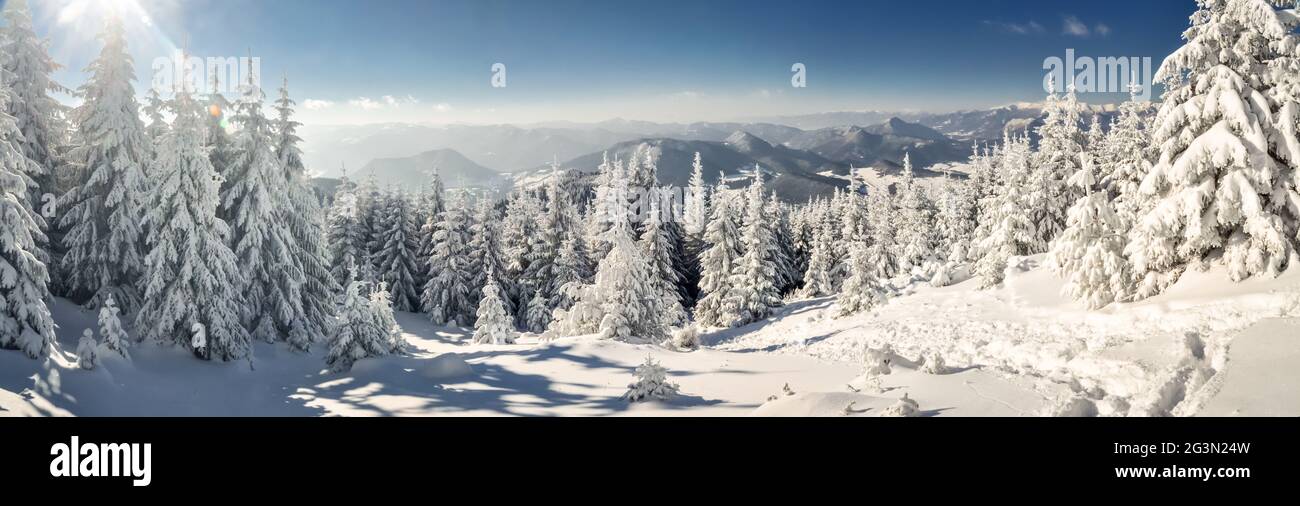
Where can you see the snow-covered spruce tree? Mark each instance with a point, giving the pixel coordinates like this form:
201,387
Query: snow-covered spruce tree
620,303
789,276
486,255
370,206
651,383
111,333
572,270
1219,186
154,107
38,115
597,223
220,145
431,203
539,313
306,222
1089,254
545,248
518,229
819,279
190,274
754,293
493,324
446,296
718,263
343,232
1059,145
916,239
256,199
695,219
664,278
1125,160
381,311
87,351
25,322
862,291
1095,136
882,213
104,210
1007,229
398,258
955,219
355,336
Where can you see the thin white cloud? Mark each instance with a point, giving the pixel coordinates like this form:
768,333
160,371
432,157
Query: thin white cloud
1102,29
1075,27
316,105
365,103
1029,28
442,107
384,102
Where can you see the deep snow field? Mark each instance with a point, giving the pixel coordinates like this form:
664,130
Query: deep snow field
1205,347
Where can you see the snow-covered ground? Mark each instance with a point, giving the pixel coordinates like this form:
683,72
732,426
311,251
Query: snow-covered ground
1206,346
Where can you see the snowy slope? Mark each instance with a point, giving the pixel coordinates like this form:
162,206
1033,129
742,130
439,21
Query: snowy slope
1018,350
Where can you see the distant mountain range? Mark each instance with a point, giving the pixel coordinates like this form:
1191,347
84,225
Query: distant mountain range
808,155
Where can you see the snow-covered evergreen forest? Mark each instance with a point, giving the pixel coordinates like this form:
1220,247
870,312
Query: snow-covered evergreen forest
1091,269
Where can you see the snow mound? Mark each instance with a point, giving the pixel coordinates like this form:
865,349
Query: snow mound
1259,377
905,407
446,366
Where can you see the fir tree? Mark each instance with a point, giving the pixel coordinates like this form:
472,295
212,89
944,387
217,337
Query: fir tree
862,291
356,336
190,276
916,221
1007,229
1089,253
110,329
1219,187
718,263
103,217
493,324
37,114
398,259
754,291
446,296
25,322
1057,159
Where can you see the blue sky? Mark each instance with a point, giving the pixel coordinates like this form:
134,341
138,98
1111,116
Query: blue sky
588,60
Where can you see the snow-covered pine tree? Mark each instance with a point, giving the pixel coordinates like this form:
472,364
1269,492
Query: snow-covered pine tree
493,325
154,107
619,304
256,199
823,264
355,336
38,115
788,275
87,351
915,221
518,229
220,145
306,222
1007,229
432,202
650,384
955,219
1219,186
695,218
572,270
695,211
486,254
1059,145
1095,136
664,278
103,218
344,232
1125,160
722,237
398,259
1089,254
111,333
754,293
539,313
862,291
190,274
25,322
381,311
370,212
545,248
446,296
882,213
